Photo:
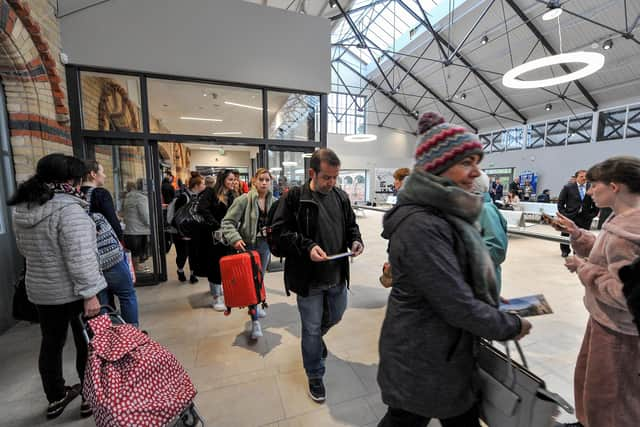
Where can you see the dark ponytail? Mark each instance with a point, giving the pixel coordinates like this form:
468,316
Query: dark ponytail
51,169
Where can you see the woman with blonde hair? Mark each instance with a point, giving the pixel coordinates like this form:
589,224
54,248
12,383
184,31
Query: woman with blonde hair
607,380
210,245
244,227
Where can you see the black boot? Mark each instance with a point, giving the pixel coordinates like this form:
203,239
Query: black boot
181,276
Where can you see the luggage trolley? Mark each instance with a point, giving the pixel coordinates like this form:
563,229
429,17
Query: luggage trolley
189,416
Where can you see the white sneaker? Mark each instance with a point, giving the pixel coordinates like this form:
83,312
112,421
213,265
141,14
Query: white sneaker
218,304
262,313
256,330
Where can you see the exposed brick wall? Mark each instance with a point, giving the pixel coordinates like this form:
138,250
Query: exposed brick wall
34,82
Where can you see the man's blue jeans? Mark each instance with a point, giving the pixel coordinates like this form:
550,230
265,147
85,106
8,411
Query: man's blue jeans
319,311
119,283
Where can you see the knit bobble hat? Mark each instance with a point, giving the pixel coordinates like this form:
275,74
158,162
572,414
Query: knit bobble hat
441,145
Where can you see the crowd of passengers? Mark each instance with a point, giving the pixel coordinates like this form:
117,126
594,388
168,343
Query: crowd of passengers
446,241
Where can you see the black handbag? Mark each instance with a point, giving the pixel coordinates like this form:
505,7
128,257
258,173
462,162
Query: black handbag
511,395
23,309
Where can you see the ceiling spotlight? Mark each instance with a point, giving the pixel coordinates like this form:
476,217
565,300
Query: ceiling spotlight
608,44
332,3
548,107
552,14
484,40
463,96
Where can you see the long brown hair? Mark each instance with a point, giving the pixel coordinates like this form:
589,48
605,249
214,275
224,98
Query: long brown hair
220,190
195,180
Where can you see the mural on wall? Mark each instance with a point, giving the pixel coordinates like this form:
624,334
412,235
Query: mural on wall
354,183
115,109
384,180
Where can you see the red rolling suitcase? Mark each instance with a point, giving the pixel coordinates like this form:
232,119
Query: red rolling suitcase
242,280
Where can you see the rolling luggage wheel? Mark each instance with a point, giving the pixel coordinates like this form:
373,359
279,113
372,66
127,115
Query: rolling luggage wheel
265,305
227,311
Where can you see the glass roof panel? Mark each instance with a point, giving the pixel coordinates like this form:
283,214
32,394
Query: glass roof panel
384,23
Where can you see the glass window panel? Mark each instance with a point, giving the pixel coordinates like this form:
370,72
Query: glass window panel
633,122
514,139
293,116
204,109
497,141
556,133
360,125
580,130
110,102
611,124
351,124
486,142
535,135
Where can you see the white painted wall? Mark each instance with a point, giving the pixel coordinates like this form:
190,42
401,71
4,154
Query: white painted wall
391,150
554,165
227,40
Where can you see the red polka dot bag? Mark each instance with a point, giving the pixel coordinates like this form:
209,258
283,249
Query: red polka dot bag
131,380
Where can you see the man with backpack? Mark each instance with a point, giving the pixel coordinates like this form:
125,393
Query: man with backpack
310,224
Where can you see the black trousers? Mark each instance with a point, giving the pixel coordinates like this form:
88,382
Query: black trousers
400,418
182,252
585,224
54,325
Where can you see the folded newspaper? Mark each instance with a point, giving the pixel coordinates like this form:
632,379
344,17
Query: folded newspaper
531,305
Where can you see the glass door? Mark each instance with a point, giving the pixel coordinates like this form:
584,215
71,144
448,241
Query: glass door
131,179
289,167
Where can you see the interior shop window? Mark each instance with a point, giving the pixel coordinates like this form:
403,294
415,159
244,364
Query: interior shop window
633,122
293,116
354,183
346,114
110,102
580,130
189,108
556,133
611,124
535,135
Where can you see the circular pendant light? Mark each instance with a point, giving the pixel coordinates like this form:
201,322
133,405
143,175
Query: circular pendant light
552,14
593,62
363,137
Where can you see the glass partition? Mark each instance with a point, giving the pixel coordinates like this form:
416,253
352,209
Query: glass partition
293,116
189,108
110,102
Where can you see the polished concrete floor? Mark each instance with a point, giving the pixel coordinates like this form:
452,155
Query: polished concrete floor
245,384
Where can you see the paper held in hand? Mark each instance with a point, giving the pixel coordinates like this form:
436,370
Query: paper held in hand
531,305
341,255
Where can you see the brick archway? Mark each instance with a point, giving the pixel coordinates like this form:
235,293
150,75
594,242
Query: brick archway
35,95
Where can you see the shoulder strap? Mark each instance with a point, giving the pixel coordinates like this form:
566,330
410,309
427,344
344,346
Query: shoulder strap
88,196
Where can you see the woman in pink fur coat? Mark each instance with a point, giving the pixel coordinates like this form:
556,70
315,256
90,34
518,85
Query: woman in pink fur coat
607,375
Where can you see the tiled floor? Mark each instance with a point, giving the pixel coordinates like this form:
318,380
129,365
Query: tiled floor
243,384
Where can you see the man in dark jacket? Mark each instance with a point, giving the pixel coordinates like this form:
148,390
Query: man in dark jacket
577,205
310,224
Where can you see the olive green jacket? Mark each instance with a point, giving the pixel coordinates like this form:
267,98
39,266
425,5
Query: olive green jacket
241,220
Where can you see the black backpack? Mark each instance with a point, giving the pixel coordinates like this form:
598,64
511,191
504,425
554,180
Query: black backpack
187,220
273,245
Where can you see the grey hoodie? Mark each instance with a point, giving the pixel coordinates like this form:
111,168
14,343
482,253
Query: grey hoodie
58,239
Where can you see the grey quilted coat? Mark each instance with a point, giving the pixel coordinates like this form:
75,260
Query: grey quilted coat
58,239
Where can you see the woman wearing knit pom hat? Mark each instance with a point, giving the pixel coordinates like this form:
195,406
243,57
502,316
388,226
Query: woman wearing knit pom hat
444,293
